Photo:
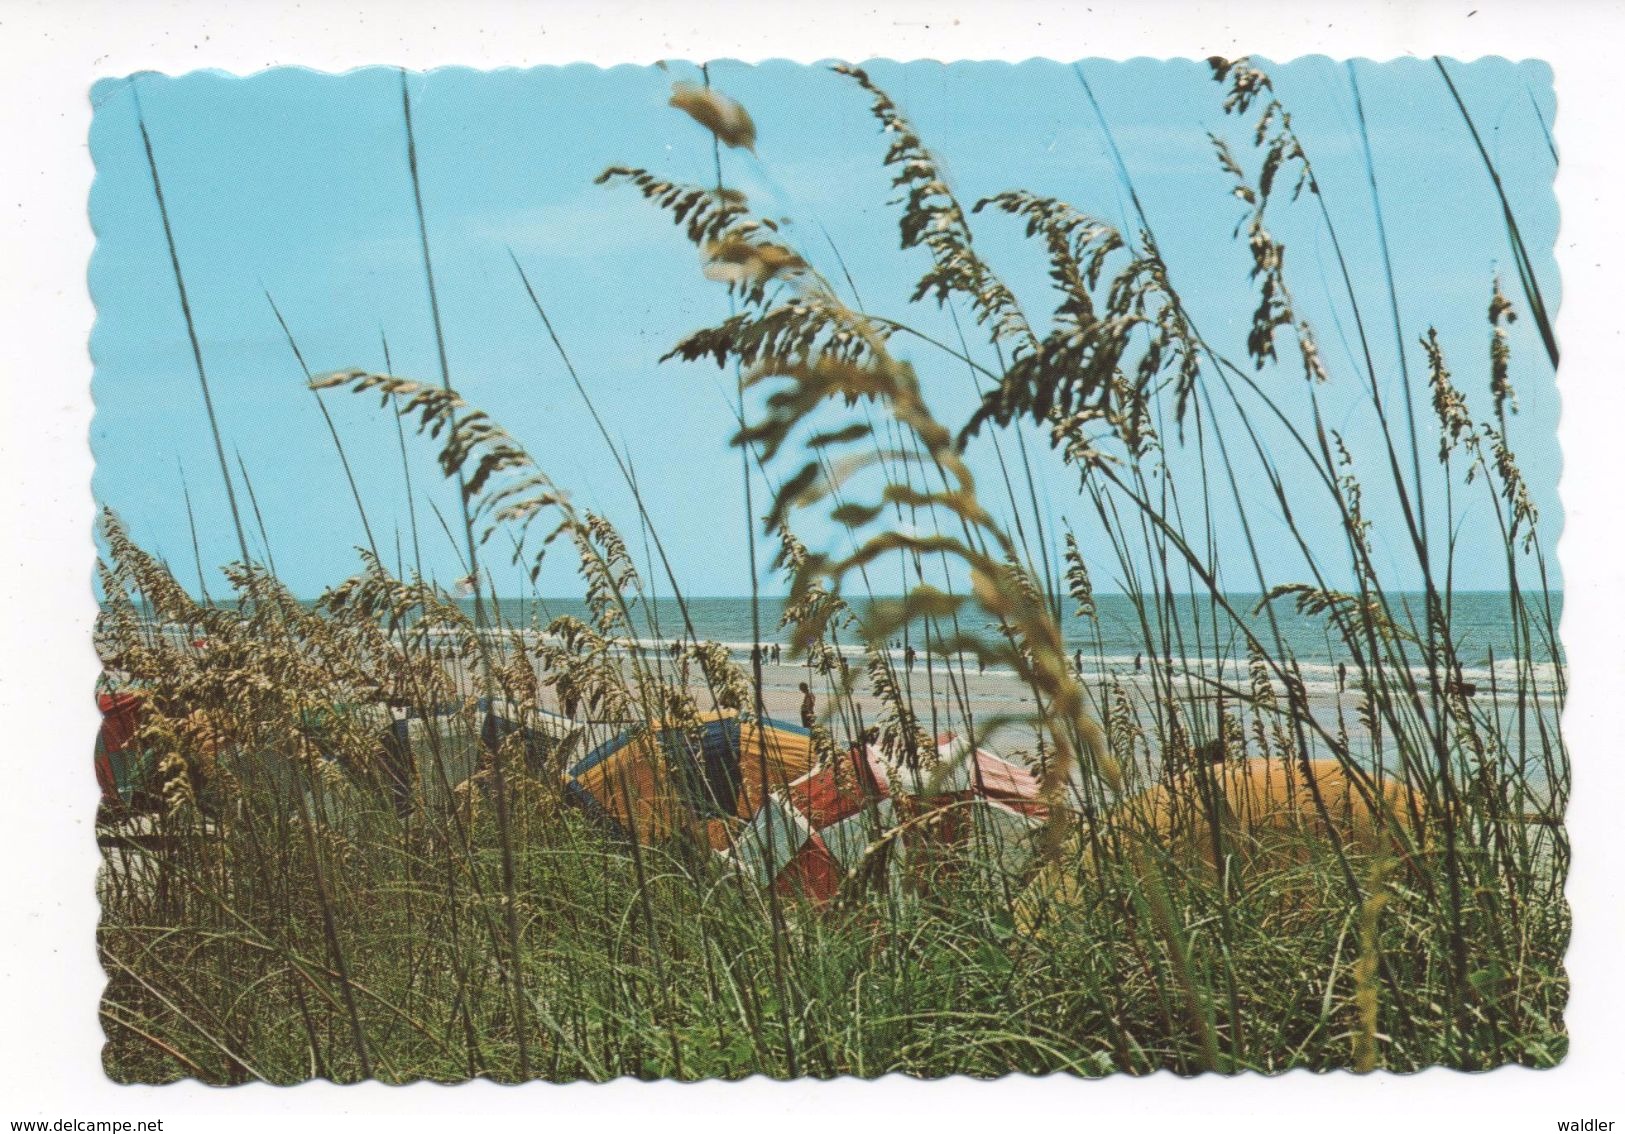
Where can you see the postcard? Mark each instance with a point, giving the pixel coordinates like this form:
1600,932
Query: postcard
704,570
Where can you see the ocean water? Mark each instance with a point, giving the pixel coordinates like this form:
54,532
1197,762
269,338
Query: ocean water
1117,641
1198,633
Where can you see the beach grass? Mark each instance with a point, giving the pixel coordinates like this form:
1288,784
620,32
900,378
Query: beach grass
281,903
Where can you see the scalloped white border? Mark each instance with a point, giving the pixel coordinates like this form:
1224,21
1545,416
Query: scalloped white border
49,1038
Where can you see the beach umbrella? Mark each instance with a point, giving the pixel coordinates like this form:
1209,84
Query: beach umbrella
414,754
780,848
123,769
961,804
706,775
1263,811
543,736
461,738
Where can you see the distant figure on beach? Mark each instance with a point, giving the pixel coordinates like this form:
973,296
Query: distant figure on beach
809,706
1342,676
774,652
1138,664
1077,663
908,658
981,664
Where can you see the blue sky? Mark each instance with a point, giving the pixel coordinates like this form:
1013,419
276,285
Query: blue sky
296,183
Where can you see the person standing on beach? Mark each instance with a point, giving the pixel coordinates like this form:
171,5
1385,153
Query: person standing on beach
1137,665
1342,676
809,706
908,658
775,653
1077,663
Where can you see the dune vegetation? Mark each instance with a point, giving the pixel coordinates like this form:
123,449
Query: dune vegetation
1233,872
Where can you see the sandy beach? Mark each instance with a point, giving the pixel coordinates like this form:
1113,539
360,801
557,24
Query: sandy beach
945,693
